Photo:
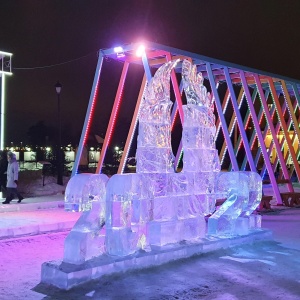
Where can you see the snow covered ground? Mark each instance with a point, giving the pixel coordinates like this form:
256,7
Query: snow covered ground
266,270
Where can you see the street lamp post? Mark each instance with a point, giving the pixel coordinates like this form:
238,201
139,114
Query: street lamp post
58,87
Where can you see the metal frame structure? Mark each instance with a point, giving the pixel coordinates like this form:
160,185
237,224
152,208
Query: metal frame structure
5,69
257,104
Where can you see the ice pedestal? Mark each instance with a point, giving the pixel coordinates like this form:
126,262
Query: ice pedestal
65,276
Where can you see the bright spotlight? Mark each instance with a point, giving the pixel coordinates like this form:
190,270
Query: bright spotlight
140,50
119,50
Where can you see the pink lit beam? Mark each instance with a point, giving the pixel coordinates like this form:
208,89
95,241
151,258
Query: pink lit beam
218,126
222,118
113,117
252,141
282,142
259,136
174,109
269,120
277,129
265,131
238,142
258,154
254,135
230,129
246,122
133,125
296,91
224,106
298,151
177,92
148,77
285,129
290,109
89,114
239,121
231,125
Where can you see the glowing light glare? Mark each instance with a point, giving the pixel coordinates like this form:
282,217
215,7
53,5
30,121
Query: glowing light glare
117,148
2,94
5,53
140,50
48,149
120,51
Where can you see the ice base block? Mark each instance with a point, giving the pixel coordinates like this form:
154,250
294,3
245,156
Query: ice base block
65,276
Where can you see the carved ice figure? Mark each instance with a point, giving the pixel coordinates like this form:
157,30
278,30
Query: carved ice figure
243,193
200,159
201,163
155,206
82,190
154,151
87,193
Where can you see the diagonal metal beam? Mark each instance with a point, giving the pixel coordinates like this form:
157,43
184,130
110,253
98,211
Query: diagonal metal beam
89,114
284,128
259,134
239,120
113,117
222,118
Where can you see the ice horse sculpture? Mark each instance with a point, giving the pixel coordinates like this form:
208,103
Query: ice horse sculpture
157,206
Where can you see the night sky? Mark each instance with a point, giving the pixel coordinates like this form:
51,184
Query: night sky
58,40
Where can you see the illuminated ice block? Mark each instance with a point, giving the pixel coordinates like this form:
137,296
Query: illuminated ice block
87,238
255,192
230,219
84,189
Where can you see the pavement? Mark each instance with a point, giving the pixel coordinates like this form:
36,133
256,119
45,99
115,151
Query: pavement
35,215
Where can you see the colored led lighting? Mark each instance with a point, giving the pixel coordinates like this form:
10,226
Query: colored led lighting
118,49
140,51
2,111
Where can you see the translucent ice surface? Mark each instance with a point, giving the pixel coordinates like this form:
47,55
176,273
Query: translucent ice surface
242,191
87,238
84,189
157,206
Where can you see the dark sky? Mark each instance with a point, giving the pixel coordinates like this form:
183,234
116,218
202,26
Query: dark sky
41,33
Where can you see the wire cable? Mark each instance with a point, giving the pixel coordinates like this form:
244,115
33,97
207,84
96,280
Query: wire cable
54,65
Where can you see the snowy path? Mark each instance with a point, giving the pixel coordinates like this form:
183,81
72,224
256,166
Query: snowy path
268,270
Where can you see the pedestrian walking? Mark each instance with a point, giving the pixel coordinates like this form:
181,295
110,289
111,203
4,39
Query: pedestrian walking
3,176
12,179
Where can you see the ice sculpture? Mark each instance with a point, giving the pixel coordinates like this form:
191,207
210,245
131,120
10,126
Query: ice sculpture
154,152
243,193
157,206
87,193
200,159
156,215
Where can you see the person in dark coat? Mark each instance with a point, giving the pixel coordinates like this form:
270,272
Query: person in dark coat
12,178
3,169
